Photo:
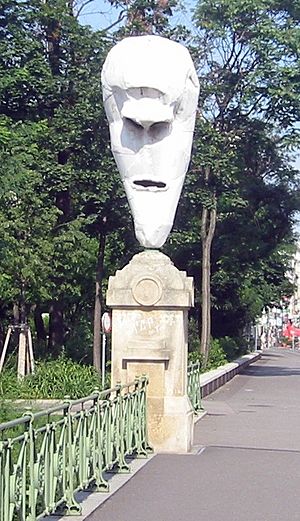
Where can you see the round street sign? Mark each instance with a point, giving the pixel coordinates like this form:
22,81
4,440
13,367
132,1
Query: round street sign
106,322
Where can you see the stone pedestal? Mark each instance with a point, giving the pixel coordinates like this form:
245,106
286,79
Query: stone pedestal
150,299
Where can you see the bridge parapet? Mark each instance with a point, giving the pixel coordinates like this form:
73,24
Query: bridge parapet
212,380
46,457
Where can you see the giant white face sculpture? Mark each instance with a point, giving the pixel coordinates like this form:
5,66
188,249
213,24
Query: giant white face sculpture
150,91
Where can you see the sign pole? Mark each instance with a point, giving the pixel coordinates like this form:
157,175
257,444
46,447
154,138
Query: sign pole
106,328
103,360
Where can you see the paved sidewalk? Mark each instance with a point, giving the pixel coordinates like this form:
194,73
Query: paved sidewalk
246,460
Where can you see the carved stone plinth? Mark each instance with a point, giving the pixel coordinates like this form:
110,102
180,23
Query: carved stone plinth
150,299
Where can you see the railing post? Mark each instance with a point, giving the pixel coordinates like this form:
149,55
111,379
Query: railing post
122,465
139,416
6,492
32,492
100,483
1,481
72,507
146,445
194,387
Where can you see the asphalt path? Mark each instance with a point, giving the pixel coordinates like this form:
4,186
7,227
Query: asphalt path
245,465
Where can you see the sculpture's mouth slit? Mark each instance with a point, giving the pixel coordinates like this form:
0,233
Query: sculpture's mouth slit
148,183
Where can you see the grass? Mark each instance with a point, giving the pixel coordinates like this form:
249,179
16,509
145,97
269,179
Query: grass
8,413
53,379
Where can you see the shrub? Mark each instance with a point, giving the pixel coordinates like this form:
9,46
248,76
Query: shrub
217,356
193,336
233,347
222,350
196,356
52,379
61,377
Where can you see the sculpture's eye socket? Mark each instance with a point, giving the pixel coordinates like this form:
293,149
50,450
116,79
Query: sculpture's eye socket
160,126
133,125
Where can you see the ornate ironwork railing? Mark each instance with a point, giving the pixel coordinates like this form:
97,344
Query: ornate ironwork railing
45,458
193,381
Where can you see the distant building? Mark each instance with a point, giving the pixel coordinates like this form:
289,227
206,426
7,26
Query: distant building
294,275
274,320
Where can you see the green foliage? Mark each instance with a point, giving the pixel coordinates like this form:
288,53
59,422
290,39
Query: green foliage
7,413
9,384
246,56
26,218
79,339
193,336
218,351
216,357
149,17
52,379
61,377
222,351
232,347
255,66
59,188
195,356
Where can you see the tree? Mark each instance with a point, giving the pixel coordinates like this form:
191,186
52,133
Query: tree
26,219
50,92
252,243
247,55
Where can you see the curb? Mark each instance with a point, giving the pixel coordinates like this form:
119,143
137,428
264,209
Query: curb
212,380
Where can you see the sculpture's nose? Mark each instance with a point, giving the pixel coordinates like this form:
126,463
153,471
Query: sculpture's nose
147,112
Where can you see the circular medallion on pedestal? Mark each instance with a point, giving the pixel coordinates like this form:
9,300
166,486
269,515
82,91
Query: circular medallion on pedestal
147,291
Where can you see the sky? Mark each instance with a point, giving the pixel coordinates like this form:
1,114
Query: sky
100,14
297,162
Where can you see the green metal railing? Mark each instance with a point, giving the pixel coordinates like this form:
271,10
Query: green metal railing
45,458
194,389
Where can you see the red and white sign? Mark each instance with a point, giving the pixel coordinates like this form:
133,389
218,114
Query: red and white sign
106,323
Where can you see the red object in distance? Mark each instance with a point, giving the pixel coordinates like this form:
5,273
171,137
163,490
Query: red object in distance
291,331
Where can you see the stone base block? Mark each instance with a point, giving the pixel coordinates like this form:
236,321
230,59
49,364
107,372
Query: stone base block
150,299
173,430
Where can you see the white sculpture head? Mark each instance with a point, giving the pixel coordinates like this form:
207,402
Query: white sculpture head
150,91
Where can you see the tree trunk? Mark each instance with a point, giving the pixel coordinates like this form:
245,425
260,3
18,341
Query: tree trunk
53,42
16,314
208,226
98,304
56,328
2,333
39,325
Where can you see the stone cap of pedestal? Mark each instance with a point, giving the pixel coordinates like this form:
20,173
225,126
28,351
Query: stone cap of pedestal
150,280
